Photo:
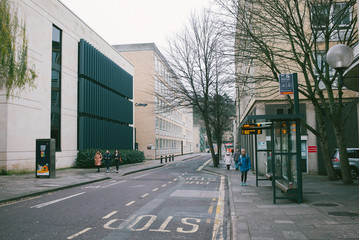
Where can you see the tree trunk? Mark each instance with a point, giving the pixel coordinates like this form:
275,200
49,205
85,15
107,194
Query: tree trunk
219,143
343,154
332,175
210,142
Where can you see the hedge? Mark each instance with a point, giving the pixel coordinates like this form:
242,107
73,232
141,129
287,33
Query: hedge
85,158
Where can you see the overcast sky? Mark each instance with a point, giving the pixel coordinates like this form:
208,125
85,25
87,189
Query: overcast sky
135,21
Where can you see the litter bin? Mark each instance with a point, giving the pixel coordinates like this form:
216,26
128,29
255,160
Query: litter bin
45,158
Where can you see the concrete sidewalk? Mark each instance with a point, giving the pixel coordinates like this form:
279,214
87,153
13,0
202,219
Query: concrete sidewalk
14,187
330,209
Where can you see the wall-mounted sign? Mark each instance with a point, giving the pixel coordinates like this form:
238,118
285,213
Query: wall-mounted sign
262,145
286,85
312,149
141,104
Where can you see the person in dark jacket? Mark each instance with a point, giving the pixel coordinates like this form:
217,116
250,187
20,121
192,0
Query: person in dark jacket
236,159
245,166
107,156
118,159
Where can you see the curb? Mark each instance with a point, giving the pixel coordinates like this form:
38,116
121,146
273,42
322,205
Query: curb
51,190
232,211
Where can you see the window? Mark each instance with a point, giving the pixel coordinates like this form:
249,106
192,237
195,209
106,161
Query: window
56,87
341,14
321,68
338,15
280,111
320,15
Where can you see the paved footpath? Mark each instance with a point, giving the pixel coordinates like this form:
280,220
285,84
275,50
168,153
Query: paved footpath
15,187
330,209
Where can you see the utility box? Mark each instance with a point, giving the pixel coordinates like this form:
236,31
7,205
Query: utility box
45,158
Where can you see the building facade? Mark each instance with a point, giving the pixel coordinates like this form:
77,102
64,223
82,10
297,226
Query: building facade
255,99
83,91
160,129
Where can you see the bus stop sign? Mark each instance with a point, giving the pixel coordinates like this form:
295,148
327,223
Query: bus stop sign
286,85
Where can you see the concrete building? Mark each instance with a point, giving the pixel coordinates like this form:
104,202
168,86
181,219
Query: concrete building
160,129
254,99
83,91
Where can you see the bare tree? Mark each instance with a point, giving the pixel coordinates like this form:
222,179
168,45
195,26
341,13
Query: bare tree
196,57
282,36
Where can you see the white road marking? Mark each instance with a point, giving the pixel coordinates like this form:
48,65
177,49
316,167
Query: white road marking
218,221
142,175
148,224
175,179
144,195
163,226
109,215
79,233
154,190
56,201
170,182
195,227
130,203
205,164
109,185
164,185
91,187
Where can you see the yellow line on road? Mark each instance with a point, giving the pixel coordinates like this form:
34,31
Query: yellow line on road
210,209
217,233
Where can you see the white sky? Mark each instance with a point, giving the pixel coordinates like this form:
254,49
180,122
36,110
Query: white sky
136,21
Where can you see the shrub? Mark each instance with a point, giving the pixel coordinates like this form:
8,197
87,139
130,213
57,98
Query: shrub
85,158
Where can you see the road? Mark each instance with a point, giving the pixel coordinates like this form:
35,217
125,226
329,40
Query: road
178,201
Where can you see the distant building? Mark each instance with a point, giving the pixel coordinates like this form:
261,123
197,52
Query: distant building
83,91
160,130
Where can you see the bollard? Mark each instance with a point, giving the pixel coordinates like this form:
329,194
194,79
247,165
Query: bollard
166,158
173,158
169,158
161,159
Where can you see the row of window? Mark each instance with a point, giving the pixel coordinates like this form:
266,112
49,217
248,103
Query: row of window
163,109
161,69
167,128
167,146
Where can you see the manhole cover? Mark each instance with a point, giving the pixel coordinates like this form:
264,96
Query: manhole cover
344,214
311,192
325,204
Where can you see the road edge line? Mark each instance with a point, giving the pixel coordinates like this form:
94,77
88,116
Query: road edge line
34,194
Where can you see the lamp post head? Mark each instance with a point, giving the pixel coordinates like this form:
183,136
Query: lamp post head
340,56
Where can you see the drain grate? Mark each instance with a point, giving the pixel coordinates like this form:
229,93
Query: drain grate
344,214
325,204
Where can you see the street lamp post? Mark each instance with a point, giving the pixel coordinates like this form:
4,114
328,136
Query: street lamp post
340,57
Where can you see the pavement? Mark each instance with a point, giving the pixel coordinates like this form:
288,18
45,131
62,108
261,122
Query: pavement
330,210
18,186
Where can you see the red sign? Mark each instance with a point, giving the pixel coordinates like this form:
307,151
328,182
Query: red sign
312,149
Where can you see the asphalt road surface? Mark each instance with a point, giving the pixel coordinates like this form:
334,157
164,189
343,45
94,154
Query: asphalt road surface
178,201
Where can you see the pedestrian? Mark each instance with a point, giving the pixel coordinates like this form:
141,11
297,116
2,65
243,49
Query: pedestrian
107,156
98,160
236,159
118,159
245,166
228,160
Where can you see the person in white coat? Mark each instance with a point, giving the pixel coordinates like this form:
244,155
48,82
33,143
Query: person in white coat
228,160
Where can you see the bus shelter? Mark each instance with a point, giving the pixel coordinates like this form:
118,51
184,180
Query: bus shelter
283,161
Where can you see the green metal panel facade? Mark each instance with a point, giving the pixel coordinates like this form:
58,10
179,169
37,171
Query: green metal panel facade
104,108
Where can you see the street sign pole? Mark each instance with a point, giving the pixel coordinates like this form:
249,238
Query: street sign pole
298,140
